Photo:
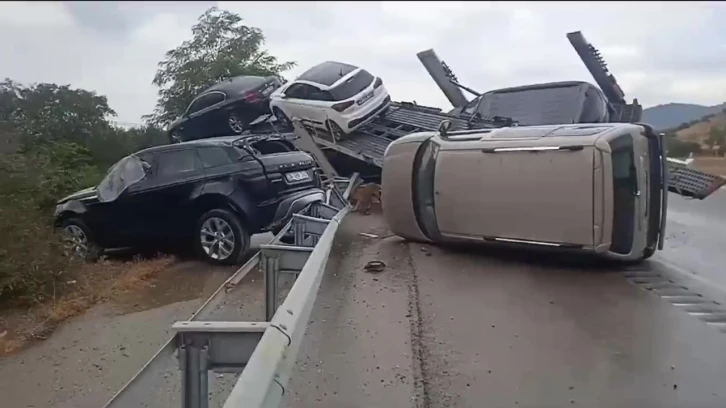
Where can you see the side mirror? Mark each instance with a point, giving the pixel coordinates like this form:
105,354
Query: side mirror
147,168
444,128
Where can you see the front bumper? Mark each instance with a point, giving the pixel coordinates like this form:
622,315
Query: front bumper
295,203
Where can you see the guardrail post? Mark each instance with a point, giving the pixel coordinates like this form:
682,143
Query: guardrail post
270,269
193,362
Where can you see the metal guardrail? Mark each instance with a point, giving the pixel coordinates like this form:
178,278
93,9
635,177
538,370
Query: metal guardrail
264,352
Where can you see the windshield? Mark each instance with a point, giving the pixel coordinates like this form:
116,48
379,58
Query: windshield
126,172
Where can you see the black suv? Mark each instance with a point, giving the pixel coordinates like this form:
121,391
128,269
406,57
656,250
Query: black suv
212,193
225,108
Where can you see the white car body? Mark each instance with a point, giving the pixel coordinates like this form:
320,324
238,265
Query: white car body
325,99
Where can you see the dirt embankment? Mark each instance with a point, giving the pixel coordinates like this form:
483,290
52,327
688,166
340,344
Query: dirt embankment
131,285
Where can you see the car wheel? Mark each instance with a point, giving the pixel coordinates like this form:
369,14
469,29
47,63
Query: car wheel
285,122
236,124
220,237
78,241
175,137
335,130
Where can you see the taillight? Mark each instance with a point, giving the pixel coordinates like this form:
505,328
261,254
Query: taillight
341,106
378,83
251,96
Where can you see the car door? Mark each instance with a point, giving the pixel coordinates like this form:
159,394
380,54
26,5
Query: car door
122,218
204,118
164,200
298,102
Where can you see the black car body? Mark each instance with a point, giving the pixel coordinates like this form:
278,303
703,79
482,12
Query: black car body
225,108
165,194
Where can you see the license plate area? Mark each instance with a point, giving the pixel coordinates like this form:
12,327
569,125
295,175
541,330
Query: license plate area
297,176
365,98
268,90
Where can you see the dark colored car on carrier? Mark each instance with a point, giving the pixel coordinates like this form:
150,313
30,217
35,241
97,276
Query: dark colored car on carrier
211,194
226,108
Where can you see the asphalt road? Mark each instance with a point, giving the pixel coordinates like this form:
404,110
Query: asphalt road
468,328
696,239
439,328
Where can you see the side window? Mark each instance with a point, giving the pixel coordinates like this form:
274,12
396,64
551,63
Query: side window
205,101
177,162
594,109
319,95
293,91
213,156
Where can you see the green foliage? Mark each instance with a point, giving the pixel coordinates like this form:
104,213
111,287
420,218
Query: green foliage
221,47
32,265
67,145
678,148
716,137
46,112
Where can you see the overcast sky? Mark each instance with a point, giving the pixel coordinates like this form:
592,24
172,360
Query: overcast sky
660,52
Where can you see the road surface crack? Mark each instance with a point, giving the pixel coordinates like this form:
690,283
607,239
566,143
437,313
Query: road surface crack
418,348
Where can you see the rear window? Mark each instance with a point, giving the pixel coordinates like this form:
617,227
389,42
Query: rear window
327,73
352,86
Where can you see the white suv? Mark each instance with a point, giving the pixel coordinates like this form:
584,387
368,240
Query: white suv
333,96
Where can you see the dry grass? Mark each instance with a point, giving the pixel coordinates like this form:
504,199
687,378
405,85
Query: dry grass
96,283
713,165
698,132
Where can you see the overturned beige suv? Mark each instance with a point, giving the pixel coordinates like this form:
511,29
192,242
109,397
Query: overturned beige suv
589,187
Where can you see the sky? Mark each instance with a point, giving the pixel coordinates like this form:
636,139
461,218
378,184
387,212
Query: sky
660,52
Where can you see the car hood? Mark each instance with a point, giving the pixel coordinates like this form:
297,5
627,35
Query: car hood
79,195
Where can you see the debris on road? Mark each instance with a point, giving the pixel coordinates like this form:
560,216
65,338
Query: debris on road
375,266
365,234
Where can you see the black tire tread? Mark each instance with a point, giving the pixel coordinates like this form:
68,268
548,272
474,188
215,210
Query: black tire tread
240,232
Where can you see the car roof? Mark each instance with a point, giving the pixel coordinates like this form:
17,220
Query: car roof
327,73
212,141
236,84
561,84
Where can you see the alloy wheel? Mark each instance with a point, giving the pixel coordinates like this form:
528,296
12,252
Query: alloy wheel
284,121
217,238
335,131
235,124
75,241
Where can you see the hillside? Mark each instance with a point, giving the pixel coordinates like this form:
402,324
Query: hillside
671,115
697,132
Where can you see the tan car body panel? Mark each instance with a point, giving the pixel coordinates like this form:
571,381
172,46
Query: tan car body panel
557,196
398,211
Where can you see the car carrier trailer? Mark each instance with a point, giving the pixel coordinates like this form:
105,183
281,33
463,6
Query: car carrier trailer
566,102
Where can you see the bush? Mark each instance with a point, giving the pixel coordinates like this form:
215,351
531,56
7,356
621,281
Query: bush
32,265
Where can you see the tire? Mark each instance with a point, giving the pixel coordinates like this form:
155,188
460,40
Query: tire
210,234
335,131
81,244
647,253
284,121
236,124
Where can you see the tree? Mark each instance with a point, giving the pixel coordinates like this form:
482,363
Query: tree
716,137
221,47
46,112
679,148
